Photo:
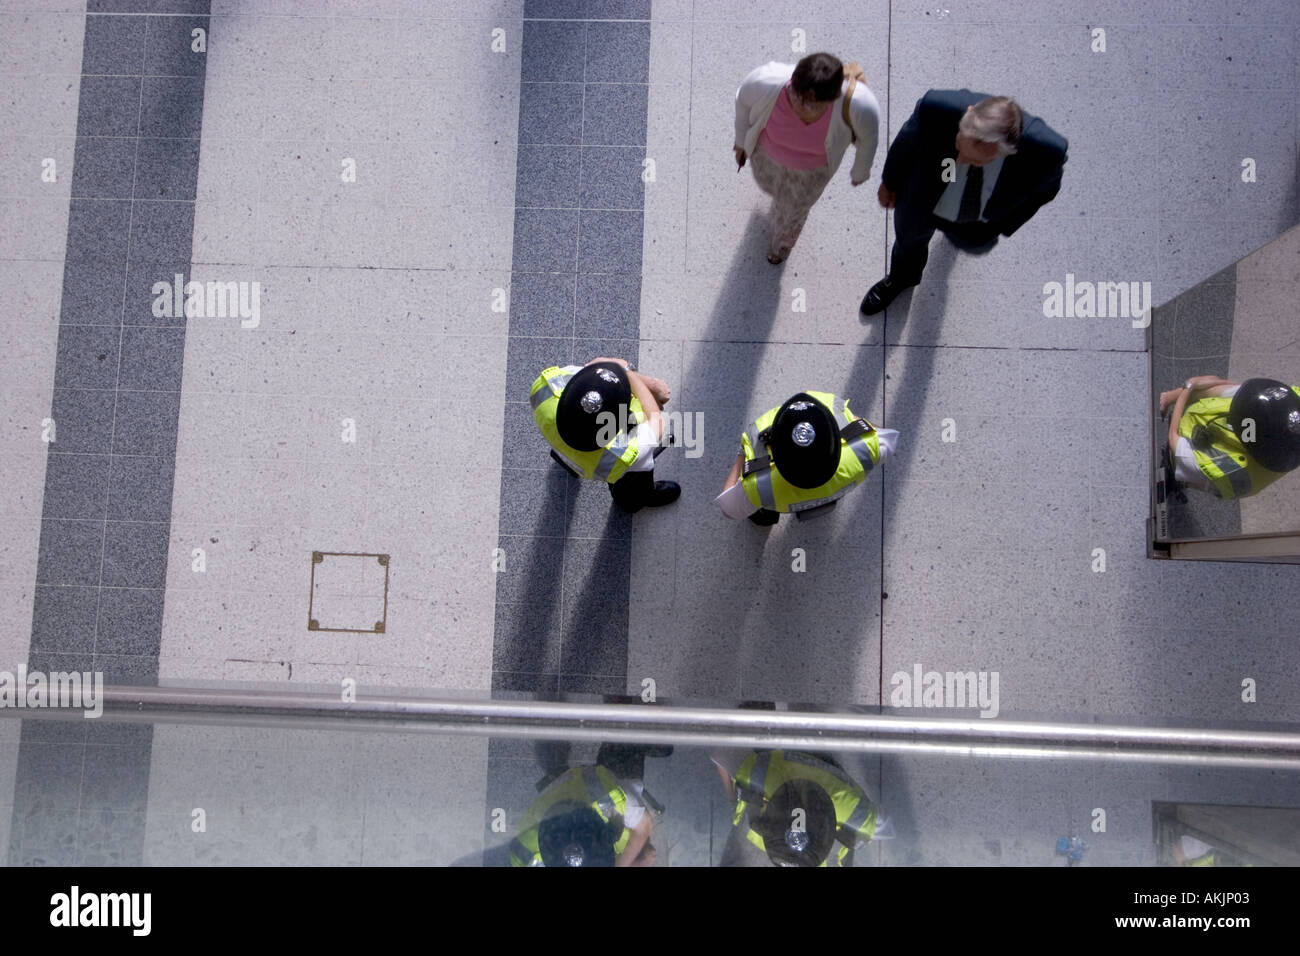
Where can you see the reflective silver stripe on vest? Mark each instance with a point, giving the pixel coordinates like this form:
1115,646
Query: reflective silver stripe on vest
763,481
758,774
1237,476
596,790
862,450
552,387
861,813
752,432
798,506
608,460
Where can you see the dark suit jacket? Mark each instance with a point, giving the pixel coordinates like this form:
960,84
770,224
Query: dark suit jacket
1030,177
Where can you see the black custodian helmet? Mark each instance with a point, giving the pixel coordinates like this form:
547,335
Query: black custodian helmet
1275,410
596,389
805,442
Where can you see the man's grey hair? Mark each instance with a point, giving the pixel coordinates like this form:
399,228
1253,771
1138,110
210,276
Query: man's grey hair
995,120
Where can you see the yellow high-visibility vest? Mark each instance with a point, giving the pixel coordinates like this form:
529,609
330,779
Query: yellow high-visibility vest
766,488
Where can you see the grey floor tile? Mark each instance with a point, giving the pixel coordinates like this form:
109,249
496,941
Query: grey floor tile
129,670
544,176
610,241
618,52
70,552
135,554
553,50
169,47
140,302
167,169
589,9
550,113
152,359
140,488
109,106
104,167
613,114
115,778
524,447
84,419
87,357
537,507
63,618
609,307
145,423
76,486
530,577
171,106
161,230
110,837
527,358
130,620
97,230
91,292
113,45
546,240
611,177
527,644
542,304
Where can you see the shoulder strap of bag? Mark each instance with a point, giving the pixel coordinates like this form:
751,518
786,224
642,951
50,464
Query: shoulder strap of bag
853,73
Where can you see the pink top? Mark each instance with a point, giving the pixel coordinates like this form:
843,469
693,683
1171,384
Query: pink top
792,142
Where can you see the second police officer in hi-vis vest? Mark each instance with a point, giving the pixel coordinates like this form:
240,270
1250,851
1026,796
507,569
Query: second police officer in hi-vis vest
795,809
602,422
1232,440
801,458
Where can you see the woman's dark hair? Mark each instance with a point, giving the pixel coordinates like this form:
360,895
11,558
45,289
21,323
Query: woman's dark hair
819,75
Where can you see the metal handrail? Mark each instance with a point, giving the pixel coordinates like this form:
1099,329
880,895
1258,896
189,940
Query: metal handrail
697,726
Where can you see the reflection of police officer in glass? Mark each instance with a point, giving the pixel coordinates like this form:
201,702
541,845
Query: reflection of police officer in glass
602,421
801,458
586,817
1232,440
792,808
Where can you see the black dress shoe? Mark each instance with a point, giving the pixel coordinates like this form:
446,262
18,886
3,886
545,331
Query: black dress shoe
665,493
880,295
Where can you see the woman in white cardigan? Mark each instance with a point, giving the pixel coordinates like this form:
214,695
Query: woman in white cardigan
790,121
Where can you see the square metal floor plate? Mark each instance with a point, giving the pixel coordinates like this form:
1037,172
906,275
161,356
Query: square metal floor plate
349,592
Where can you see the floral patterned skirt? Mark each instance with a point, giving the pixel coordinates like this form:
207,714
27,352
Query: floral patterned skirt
793,192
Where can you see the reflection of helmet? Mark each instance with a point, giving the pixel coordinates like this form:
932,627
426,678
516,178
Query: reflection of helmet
577,837
1275,409
596,389
805,442
798,824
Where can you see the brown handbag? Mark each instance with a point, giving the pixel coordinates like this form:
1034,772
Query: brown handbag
853,73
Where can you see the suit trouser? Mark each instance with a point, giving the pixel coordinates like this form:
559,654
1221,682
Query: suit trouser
913,230
633,490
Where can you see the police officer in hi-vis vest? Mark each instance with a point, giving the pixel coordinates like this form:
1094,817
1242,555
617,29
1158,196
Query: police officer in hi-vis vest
801,458
1232,440
602,421
793,808
584,818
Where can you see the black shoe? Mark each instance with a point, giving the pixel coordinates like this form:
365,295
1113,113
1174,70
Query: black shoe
880,295
765,518
665,493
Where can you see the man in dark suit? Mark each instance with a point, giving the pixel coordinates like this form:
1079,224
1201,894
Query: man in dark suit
972,165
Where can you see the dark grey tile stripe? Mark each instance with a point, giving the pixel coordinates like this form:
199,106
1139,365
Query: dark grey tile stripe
561,622
561,611
81,787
